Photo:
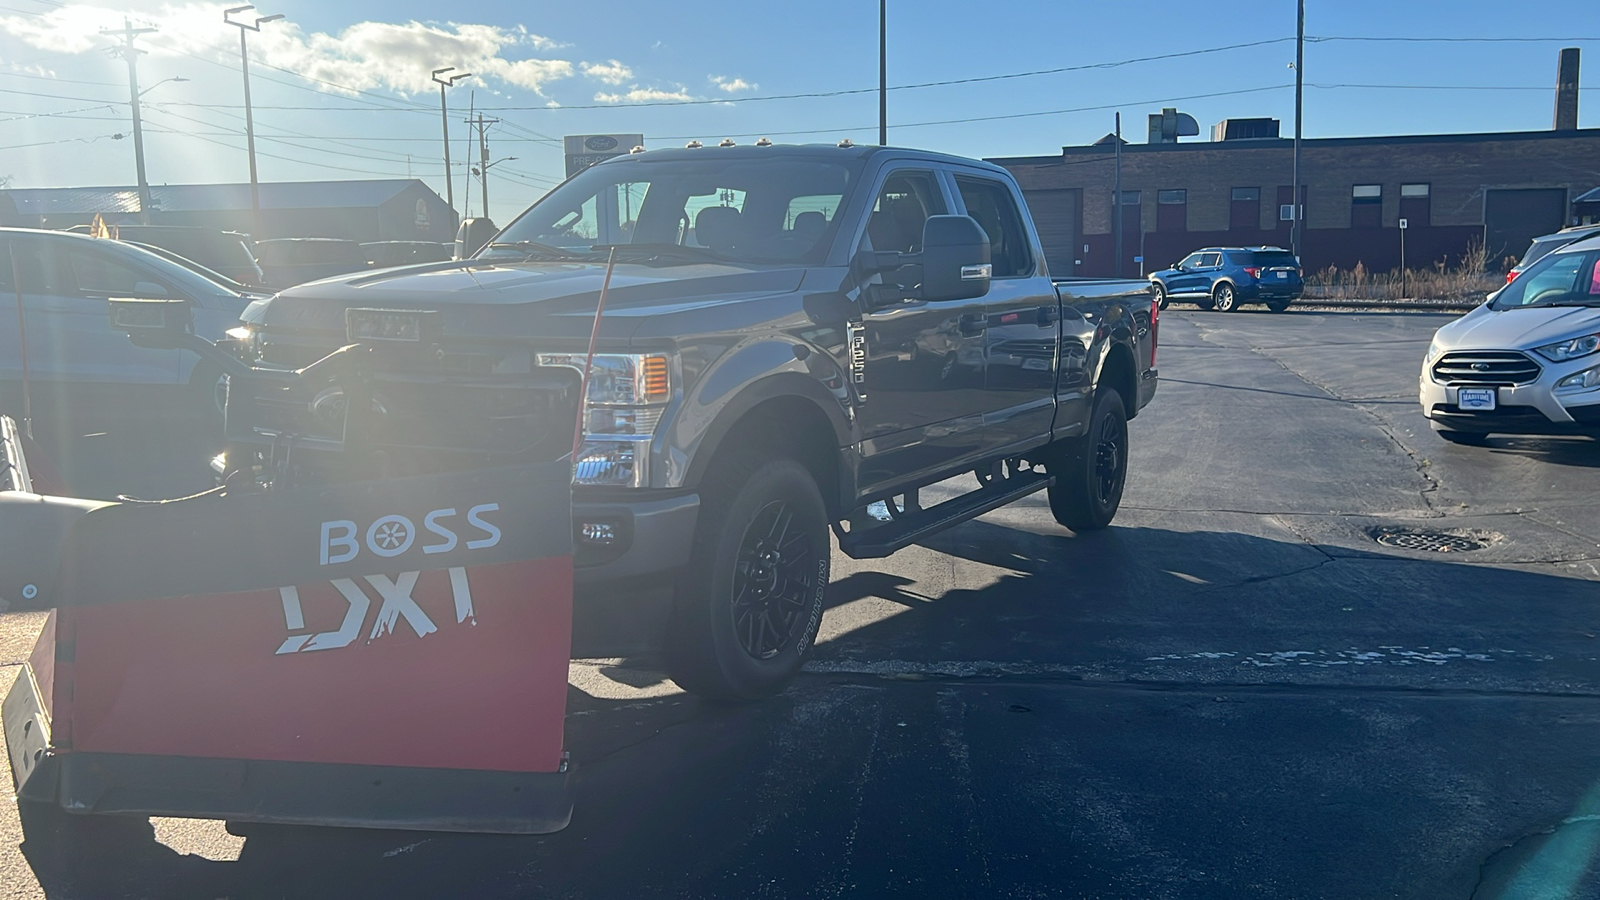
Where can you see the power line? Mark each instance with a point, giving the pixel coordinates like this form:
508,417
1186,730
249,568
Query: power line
1450,40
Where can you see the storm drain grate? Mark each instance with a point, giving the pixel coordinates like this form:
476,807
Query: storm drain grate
1430,541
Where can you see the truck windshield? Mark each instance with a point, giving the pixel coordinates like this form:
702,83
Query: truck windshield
674,211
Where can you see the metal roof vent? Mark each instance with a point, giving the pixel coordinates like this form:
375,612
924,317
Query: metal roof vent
764,142
847,143
726,142
693,145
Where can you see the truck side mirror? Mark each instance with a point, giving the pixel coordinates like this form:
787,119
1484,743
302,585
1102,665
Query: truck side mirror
152,324
473,234
955,259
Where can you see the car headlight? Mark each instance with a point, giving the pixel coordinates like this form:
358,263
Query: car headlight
1434,352
1561,351
627,396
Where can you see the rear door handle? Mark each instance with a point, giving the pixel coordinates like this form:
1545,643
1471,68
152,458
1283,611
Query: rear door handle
974,324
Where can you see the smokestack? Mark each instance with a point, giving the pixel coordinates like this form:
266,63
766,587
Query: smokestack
1567,91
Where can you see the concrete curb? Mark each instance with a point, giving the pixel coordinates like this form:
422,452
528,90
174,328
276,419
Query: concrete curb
1408,305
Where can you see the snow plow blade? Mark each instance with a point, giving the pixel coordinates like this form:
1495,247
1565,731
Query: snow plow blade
383,654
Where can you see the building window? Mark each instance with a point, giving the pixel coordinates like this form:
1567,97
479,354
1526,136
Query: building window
1172,210
1416,204
1366,206
1286,205
1130,198
1244,209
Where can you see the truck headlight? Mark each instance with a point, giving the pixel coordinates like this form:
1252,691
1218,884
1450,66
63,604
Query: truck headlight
1561,351
627,395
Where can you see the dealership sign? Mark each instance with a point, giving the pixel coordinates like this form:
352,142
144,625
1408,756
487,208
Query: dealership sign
584,150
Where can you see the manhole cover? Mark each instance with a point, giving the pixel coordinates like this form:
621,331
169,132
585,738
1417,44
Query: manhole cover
1432,541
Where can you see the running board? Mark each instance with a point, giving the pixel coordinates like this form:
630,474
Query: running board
882,540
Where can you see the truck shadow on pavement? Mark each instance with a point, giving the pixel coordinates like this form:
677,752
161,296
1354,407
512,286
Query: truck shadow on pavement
980,741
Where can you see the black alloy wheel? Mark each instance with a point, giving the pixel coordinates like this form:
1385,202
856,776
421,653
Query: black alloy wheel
1110,457
1224,297
773,581
749,602
1090,472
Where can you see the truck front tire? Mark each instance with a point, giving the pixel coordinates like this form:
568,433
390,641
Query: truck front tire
749,603
1091,471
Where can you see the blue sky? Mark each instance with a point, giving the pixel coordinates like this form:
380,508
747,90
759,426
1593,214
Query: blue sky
551,69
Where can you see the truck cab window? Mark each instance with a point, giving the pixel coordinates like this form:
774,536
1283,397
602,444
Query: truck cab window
991,204
903,206
98,275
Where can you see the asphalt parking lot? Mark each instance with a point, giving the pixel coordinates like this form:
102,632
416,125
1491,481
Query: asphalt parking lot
1235,692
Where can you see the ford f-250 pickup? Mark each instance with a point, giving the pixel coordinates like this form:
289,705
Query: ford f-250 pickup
790,336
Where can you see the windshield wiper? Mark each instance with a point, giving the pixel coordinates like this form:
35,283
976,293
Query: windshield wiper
534,248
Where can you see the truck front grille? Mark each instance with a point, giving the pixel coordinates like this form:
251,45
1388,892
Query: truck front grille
1485,367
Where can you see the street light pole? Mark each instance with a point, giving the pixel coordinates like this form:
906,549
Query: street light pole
249,117
883,73
484,173
1296,225
444,116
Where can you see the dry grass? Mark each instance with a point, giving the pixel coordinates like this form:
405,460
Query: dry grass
1466,280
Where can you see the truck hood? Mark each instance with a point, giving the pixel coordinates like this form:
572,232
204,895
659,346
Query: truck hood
515,300
1518,329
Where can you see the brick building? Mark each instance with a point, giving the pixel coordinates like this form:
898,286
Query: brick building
1452,189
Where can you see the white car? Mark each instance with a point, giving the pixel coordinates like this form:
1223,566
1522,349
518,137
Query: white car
1525,362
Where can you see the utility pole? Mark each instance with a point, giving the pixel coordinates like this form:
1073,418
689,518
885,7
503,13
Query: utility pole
130,53
481,123
249,119
883,73
444,117
1295,225
1116,200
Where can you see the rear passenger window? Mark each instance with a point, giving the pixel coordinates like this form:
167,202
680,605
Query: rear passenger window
991,204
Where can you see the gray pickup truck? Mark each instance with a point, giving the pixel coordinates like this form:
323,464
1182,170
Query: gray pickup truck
791,335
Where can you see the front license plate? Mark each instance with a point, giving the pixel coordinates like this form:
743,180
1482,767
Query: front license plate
1476,399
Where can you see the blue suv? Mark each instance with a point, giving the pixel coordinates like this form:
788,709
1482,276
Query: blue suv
1223,278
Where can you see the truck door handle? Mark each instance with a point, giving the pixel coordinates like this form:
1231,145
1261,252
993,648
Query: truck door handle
974,323
1048,315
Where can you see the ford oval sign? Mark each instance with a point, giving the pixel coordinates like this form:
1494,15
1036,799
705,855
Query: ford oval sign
600,143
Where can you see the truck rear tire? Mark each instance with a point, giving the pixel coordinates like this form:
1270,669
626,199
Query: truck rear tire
749,603
1091,471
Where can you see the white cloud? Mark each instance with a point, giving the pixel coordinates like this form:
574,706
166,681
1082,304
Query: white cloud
644,95
732,85
364,56
613,72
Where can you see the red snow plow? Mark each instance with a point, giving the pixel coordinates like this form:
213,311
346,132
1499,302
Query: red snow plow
377,652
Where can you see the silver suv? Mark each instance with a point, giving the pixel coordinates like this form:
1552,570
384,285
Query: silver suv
1525,362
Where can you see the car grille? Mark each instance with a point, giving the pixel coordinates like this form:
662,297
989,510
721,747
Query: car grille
1485,367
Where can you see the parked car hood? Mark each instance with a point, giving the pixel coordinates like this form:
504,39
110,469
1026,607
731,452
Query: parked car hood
493,300
1518,329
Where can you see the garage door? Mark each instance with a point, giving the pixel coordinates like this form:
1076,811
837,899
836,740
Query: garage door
1513,218
1055,214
